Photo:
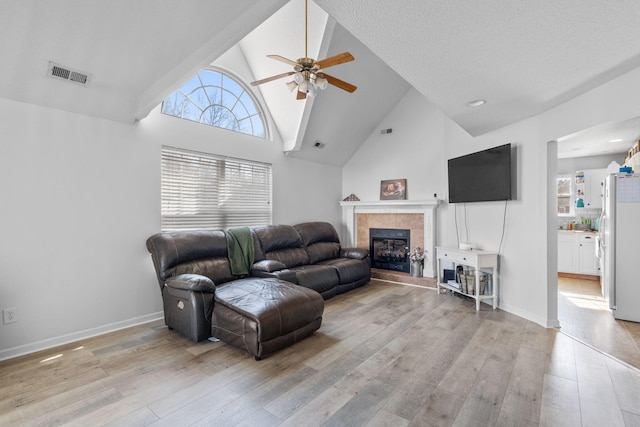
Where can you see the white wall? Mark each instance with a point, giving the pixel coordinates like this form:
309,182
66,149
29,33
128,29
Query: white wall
424,138
573,164
80,196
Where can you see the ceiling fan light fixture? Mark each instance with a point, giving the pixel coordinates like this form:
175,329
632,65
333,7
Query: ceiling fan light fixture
311,89
308,73
321,83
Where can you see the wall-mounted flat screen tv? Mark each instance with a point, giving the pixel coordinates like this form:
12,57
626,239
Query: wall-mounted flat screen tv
481,177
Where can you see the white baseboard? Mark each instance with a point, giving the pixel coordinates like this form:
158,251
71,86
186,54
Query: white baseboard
545,323
75,336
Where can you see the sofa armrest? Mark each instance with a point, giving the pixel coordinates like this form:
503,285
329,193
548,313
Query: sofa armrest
191,282
274,269
268,266
355,253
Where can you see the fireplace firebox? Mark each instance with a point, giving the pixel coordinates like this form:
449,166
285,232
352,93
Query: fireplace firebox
389,248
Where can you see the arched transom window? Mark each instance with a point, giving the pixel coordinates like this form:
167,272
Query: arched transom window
216,99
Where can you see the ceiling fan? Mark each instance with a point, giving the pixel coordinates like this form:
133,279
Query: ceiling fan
308,74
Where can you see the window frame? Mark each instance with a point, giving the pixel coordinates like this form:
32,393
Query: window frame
203,191
189,99
570,196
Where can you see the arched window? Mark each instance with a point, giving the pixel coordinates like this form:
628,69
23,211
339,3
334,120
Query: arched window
216,99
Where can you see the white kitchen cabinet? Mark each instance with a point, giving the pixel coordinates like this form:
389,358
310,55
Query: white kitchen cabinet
589,188
577,253
587,260
567,253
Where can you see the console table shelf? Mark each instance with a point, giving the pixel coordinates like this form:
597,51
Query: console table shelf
479,260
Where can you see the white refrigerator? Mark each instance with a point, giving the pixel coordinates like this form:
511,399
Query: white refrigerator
619,245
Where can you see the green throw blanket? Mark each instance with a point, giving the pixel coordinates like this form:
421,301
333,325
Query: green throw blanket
240,250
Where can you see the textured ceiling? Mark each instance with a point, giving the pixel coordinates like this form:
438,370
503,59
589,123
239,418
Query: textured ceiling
523,57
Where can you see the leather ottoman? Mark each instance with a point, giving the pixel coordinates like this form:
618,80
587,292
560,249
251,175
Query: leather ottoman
262,316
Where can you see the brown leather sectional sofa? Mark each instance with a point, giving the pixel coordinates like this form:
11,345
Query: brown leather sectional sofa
281,300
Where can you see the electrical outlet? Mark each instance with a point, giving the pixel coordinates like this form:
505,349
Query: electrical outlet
9,316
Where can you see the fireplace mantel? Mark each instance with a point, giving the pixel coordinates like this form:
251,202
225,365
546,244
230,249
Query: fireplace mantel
425,207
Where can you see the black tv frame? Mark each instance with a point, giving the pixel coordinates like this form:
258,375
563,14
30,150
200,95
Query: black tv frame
483,176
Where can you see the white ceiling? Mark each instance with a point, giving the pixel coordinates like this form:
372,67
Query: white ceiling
523,57
609,138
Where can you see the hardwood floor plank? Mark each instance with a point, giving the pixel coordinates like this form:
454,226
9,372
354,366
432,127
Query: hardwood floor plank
362,407
560,403
386,355
307,390
319,410
598,400
254,399
524,394
626,383
138,418
440,409
383,418
562,361
464,370
71,412
260,418
199,407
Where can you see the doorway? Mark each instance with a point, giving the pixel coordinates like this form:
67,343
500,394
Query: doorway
583,312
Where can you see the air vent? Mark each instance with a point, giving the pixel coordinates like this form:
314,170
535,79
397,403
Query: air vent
66,73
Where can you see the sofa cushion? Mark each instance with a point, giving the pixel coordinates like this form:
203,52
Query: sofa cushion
190,252
349,270
281,243
320,278
264,315
320,239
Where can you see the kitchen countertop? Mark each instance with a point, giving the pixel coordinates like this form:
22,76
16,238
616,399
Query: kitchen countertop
578,231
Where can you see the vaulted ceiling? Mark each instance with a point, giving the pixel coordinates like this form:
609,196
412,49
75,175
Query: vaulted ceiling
522,57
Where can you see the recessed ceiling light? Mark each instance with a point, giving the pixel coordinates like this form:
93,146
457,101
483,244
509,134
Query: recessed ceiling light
616,140
476,103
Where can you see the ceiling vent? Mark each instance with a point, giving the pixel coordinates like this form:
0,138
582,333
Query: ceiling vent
66,73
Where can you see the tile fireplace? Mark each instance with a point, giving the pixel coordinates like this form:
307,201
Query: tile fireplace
389,248
417,216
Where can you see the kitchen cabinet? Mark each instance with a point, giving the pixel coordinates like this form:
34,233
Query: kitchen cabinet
577,253
587,260
588,187
480,261
567,253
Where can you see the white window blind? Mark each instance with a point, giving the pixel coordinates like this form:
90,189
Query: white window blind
205,191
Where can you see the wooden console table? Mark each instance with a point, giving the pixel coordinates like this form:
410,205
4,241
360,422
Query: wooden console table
479,260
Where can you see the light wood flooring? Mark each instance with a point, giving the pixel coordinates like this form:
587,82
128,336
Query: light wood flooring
585,315
386,355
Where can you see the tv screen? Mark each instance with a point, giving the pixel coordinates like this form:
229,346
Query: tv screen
481,177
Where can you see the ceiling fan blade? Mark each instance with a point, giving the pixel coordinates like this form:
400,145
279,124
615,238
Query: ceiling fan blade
283,59
268,79
335,60
301,95
340,83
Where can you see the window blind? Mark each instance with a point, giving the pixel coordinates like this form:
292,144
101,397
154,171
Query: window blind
205,191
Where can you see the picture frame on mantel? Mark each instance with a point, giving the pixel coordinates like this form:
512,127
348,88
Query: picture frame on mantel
393,189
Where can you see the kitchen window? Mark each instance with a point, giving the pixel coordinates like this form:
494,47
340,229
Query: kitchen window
565,195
